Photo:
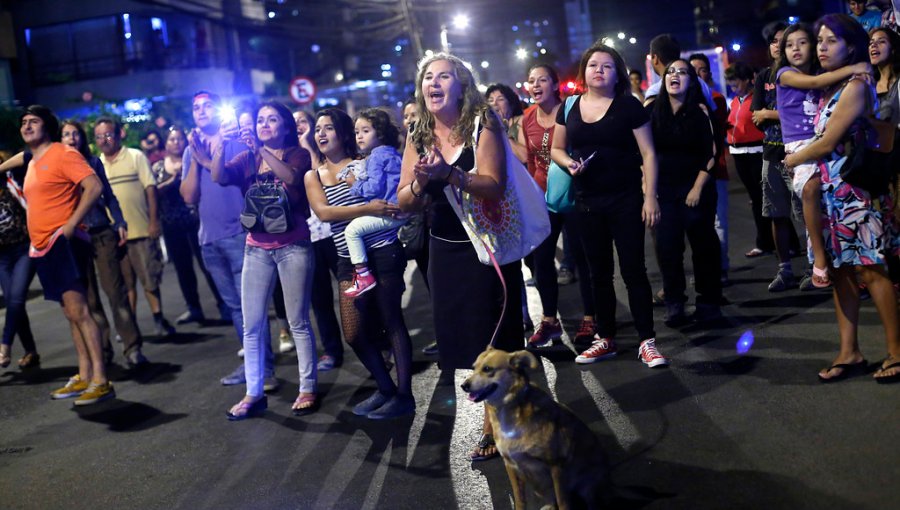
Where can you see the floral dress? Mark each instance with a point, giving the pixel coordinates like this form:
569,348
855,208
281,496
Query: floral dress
858,229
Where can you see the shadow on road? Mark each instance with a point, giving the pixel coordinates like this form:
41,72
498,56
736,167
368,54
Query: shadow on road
124,416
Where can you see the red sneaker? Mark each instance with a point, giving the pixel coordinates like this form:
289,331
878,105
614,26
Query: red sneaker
650,356
546,333
585,333
362,283
601,349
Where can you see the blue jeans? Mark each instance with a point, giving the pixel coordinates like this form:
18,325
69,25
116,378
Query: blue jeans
294,265
16,273
224,259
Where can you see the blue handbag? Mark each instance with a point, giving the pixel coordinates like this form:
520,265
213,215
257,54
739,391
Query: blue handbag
560,195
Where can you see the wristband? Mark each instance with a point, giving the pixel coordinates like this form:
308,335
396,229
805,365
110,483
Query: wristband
413,191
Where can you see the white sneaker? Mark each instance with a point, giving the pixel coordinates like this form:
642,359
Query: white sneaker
241,353
285,343
650,356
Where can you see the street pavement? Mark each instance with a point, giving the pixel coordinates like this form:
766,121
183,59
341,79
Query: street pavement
720,428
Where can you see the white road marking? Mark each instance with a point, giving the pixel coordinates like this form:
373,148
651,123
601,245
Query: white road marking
423,386
343,470
377,483
469,485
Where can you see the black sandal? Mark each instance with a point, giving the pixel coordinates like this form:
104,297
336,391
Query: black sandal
888,379
486,441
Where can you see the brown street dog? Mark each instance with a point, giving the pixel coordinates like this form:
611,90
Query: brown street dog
542,442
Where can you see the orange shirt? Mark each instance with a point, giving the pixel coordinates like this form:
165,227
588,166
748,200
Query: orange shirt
52,191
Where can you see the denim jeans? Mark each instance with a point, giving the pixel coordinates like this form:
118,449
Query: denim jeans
224,259
16,273
183,247
294,264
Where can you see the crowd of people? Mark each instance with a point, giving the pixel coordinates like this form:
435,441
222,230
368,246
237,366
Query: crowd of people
273,204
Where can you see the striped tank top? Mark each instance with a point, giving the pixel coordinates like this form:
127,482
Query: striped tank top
339,195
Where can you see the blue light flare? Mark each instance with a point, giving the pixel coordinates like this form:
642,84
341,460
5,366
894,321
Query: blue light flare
745,342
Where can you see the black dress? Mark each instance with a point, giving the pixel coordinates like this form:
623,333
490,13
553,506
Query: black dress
466,295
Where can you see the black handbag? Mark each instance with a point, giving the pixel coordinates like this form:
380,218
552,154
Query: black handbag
267,207
413,236
868,157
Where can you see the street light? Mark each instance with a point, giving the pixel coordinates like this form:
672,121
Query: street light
460,21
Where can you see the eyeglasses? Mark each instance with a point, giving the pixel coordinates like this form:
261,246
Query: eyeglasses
680,71
107,136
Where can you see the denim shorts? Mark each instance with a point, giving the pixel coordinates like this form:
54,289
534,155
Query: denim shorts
64,267
778,197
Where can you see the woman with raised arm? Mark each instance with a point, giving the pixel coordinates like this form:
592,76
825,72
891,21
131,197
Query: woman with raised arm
858,234
282,253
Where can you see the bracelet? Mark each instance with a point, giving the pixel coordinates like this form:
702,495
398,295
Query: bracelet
464,180
413,191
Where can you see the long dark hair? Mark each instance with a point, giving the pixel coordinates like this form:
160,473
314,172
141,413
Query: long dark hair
663,116
622,86
343,126
783,60
51,122
83,146
894,57
851,32
287,120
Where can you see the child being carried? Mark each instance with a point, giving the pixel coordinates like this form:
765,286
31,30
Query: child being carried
375,177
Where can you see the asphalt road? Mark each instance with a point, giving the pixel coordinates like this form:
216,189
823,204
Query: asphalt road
718,429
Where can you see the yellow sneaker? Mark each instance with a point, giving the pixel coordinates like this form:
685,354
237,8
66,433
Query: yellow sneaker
96,393
73,388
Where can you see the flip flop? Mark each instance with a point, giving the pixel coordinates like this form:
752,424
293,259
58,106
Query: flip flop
888,379
305,398
486,441
243,410
847,370
820,278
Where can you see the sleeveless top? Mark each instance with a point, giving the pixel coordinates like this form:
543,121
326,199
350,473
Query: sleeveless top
859,229
338,195
538,140
445,224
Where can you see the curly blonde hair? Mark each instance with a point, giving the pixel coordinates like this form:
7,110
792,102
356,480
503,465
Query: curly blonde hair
471,105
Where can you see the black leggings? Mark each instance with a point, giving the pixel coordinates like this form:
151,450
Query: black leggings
698,224
360,317
749,169
617,219
544,267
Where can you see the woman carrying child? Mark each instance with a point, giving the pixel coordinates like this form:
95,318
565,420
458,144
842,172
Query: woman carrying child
375,177
797,85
